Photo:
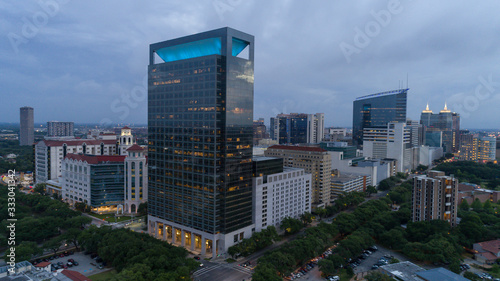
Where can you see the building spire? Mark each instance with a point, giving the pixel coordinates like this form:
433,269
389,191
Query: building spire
445,110
427,110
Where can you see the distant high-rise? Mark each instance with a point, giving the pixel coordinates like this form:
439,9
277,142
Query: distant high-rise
60,129
27,128
298,128
446,122
200,118
477,148
376,111
434,197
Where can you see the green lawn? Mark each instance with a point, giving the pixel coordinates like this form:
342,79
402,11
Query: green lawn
110,217
103,276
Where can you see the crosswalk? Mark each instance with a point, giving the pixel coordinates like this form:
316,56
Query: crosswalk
206,269
202,271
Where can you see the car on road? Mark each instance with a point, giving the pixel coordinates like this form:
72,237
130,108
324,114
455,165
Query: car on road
196,258
75,263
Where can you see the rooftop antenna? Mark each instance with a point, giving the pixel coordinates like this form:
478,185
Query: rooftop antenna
406,80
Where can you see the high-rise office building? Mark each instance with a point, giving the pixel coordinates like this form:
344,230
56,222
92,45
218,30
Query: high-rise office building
60,129
446,124
27,126
200,117
434,197
298,128
392,142
377,110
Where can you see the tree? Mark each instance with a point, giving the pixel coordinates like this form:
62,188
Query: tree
488,207
476,205
291,225
306,218
422,168
82,207
384,185
393,239
371,189
25,251
40,188
143,209
326,266
321,212
53,244
78,222
265,272
72,236
464,206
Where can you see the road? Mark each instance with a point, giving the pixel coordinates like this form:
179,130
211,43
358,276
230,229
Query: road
222,272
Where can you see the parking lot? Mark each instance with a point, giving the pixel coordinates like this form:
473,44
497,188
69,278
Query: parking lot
86,265
366,264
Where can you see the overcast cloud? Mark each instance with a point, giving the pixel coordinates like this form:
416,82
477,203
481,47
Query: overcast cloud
81,60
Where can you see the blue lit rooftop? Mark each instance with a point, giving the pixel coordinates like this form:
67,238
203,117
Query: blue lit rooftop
388,93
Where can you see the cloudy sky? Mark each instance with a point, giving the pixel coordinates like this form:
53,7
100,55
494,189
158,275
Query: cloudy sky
86,61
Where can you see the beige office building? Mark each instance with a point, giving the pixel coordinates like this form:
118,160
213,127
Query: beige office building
315,161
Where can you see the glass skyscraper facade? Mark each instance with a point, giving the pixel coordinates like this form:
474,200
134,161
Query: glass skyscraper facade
377,110
200,121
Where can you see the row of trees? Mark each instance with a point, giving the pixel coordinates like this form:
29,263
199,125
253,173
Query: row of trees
278,263
258,241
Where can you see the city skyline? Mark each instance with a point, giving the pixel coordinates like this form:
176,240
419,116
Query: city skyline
445,57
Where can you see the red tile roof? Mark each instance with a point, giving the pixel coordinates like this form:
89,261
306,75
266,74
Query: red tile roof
74,142
96,159
42,264
298,148
125,128
488,256
75,276
135,147
492,246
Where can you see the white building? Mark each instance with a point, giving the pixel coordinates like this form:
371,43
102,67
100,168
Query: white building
281,195
391,142
136,179
345,183
60,129
316,127
49,154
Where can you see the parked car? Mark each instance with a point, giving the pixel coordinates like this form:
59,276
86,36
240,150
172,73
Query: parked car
75,263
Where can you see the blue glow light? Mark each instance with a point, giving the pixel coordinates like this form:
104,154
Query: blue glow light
206,47
238,46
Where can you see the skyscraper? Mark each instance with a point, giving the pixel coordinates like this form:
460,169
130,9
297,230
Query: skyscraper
200,117
376,110
446,122
295,128
27,126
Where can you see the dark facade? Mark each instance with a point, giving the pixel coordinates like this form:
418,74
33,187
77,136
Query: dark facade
446,122
27,126
376,110
200,118
292,128
263,166
106,185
